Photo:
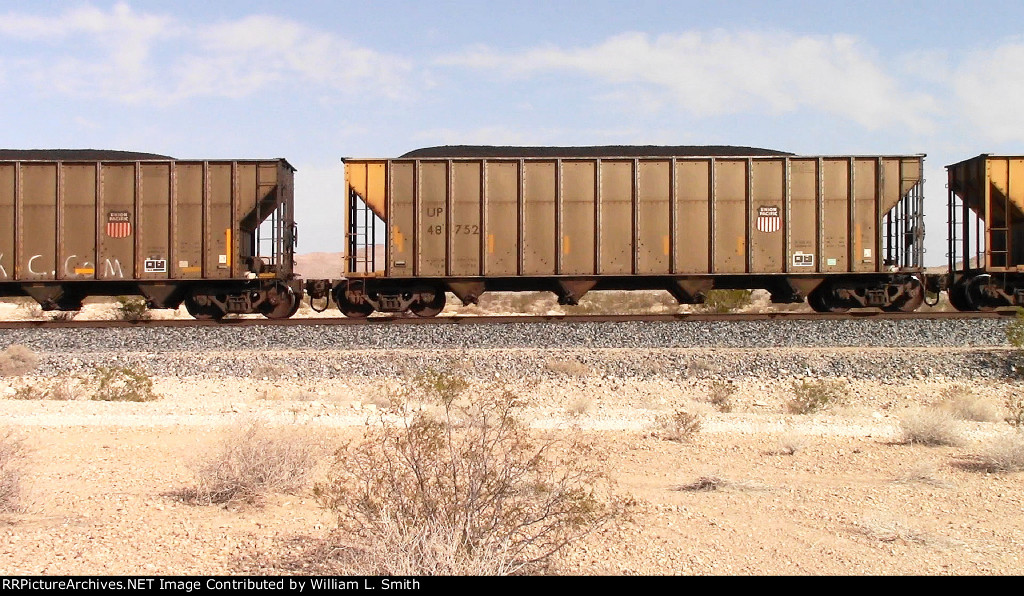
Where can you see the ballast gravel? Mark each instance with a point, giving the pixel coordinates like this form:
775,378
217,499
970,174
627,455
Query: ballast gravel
633,335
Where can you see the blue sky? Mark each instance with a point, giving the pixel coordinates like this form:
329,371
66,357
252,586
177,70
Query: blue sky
315,81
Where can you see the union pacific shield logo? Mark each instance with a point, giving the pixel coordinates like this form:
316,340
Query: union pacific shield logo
119,224
768,219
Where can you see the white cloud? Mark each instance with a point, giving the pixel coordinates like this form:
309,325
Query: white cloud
132,57
90,20
989,84
719,73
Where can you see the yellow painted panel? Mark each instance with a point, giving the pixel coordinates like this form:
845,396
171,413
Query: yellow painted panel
369,180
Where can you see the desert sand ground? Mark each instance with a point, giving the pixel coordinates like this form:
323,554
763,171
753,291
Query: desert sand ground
830,493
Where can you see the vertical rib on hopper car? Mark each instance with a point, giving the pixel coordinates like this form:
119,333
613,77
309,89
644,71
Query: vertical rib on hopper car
215,234
841,231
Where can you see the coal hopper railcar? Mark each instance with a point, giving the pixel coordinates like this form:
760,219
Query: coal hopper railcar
217,235
839,231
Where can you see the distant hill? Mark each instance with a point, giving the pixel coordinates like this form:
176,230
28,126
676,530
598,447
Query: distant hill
319,265
329,265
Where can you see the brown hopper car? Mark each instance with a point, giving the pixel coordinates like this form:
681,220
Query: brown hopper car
216,235
986,232
840,231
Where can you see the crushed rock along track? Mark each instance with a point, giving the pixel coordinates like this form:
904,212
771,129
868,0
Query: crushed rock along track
830,493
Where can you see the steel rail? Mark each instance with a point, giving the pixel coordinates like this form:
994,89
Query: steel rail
507,319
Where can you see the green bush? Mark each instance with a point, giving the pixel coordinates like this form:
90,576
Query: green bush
723,301
132,308
121,383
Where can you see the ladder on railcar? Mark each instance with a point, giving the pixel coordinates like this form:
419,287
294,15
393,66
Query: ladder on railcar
903,224
999,235
271,233
362,238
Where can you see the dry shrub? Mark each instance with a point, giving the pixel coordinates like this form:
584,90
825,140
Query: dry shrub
714,482
64,389
813,395
101,384
886,528
625,302
791,442
580,406
961,401
1015,411
1004,454
17,360
268,371
704,484
922,473
28,308
12,455
930,426
252,462
57,389
720,395
571,368
680,426
466,491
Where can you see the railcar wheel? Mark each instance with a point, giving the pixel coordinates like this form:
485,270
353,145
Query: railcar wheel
202,312
910,301
429,309
351,309
819,301
281,303
975,297
957,294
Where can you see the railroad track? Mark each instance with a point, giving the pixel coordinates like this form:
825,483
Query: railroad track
505,319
